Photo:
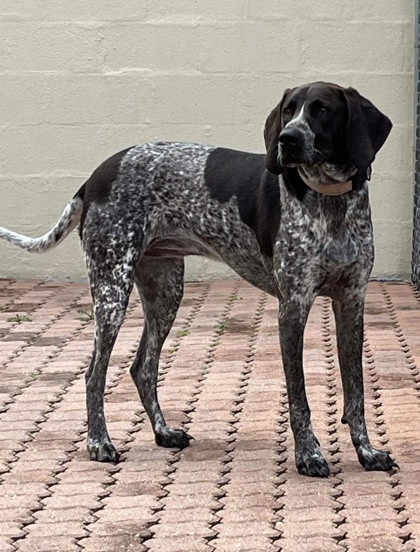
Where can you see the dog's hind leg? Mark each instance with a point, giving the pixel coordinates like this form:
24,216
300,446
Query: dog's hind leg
111,277
160,284
349,322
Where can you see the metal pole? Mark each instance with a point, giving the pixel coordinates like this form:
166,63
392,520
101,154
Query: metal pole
416,229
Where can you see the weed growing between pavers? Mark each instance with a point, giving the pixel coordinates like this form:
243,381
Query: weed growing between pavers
85,316
19,319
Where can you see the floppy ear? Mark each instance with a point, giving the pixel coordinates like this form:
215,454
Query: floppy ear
367,129
271,137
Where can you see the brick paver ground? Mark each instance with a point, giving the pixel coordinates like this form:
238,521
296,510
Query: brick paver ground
236,487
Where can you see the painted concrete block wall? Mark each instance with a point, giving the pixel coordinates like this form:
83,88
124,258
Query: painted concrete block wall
81,80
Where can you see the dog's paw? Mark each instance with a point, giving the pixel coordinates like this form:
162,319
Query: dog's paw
103,451
173,438
375,460
312,465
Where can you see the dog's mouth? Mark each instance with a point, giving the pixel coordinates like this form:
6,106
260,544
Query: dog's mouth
310,157
314,166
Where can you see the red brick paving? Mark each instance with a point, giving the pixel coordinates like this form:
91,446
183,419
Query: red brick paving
236,488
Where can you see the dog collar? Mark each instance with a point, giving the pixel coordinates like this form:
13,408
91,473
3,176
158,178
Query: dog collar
332,189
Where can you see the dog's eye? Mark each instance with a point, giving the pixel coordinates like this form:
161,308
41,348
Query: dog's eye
322,110
287,112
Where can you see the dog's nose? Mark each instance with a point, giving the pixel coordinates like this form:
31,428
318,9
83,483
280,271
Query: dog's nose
290,137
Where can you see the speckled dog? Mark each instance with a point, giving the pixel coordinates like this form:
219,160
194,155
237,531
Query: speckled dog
296,223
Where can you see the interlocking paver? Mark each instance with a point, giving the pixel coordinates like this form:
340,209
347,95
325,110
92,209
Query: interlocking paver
236,487
45,544
6,545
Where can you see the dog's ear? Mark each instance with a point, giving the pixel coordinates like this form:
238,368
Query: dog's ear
272,131
367,129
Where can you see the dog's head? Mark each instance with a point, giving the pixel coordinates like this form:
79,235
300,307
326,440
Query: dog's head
324,128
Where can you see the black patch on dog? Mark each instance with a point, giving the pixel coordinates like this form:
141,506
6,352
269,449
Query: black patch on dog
235,173
98,187
294,184
243,175
268,212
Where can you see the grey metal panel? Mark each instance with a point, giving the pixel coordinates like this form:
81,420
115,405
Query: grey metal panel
416,231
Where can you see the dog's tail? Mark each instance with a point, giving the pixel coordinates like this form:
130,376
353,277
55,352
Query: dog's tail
66,223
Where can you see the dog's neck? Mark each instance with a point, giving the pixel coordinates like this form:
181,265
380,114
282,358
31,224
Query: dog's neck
333,189
298,187
328,179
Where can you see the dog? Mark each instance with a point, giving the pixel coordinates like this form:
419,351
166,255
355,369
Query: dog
295,223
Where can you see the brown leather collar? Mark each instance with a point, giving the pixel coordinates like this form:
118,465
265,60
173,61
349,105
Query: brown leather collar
333,188
339,188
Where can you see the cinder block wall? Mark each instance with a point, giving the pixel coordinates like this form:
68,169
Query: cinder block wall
80,80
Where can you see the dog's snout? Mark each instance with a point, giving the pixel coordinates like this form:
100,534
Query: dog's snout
290,137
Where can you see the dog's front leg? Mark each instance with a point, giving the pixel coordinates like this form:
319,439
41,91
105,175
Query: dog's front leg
293,314
349,321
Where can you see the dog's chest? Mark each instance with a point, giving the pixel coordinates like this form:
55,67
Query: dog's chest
324,235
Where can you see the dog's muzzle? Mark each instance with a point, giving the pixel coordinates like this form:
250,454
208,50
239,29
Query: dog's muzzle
291,138
296,146
291,146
